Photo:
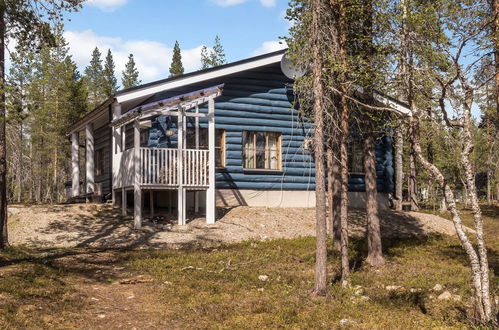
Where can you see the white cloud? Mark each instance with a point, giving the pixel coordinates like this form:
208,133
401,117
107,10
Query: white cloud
227,3
269,47
152,58
106,5
268,3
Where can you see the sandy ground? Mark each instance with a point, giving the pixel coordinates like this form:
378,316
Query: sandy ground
102,226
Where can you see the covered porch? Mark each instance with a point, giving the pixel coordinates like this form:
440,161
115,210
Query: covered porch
155,170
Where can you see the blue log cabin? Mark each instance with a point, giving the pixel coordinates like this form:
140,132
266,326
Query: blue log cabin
225,136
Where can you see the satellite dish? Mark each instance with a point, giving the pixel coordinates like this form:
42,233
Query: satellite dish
290,70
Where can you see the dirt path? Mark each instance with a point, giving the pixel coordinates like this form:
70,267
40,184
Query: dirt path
94,225
114,298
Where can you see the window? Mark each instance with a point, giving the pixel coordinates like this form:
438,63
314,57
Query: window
262,150
203,143
355,156
128,130
99,162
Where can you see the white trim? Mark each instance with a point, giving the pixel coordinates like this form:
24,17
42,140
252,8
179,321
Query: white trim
389,103
210,193
75,164
198,77
89,158
137,192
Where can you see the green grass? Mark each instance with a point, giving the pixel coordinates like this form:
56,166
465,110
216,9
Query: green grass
220,288
33,294
210,294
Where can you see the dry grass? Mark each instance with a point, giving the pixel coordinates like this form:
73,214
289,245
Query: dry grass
220,287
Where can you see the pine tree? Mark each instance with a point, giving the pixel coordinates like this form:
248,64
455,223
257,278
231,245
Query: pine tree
176,68
110,83
94,79
205,58
214,57
32,29
218,53
130,77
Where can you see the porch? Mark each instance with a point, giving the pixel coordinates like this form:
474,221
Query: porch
153,169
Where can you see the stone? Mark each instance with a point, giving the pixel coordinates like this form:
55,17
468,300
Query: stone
263,278
446,295
365,298
260,289
437,287
344,322
393,287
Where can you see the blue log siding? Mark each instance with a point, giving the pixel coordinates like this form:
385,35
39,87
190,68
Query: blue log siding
261,100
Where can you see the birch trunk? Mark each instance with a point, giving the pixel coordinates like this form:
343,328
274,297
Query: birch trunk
479,266
484,299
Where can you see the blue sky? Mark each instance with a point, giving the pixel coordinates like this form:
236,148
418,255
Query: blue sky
149,28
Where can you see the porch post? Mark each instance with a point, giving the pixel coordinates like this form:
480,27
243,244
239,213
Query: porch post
75,156
210,193
89,161
137,192
123,202
196,193
180,146
116,151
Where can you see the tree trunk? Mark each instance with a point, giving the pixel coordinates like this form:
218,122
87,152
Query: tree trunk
320,189
336,198
345,267
330,195
495,12
374,249
412,187
484,299
483,302
399,168
4,239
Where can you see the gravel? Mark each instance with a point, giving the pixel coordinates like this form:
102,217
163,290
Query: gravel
98,225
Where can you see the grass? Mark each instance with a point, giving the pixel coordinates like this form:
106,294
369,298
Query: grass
220,288
32,294
210,293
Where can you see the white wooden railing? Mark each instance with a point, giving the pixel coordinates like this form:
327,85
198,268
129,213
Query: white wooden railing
161,166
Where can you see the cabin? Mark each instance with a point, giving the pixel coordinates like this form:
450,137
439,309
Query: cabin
224,136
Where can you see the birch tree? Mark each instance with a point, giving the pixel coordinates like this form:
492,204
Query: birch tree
456,34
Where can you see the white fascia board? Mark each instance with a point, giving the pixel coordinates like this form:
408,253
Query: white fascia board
197,78
394,105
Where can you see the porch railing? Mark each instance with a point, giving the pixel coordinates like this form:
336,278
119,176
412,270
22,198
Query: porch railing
161,167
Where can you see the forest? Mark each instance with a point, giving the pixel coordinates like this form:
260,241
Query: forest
428,262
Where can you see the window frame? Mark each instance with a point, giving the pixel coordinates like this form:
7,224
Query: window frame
266,150
220,150
99,164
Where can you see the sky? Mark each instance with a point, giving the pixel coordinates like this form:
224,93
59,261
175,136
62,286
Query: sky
149,29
